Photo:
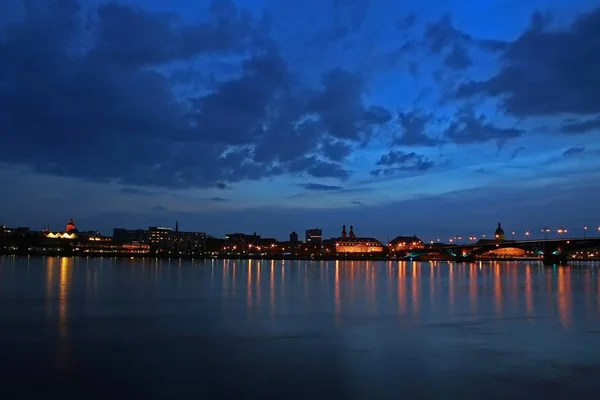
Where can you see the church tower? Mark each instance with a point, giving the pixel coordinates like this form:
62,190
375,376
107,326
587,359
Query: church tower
343,231
499,234
352,231
176,226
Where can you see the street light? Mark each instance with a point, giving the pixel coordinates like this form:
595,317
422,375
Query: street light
546,230
513,235
561,231
527,234
584,231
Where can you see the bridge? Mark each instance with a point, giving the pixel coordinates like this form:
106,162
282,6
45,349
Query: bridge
552,251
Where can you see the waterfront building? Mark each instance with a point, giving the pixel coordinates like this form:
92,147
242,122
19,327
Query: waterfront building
70,232
314,236
348,242
135,248
401,243
188,243
160,237
130,235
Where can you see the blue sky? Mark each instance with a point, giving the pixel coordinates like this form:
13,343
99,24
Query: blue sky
435,118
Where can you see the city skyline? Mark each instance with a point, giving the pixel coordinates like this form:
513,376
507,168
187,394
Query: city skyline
427,118
302,235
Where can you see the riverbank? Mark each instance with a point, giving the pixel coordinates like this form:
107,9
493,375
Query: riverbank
274,257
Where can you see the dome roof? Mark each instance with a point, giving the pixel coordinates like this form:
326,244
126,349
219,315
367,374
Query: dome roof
499,230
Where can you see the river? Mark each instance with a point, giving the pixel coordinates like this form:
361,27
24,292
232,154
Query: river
106,328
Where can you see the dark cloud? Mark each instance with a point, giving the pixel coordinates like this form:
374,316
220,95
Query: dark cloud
574,126
85,94
414,126
458,58
574,151
317,168
335,150
218,199
468,127
340,109
319,187
548,71
397,161
442,34
357,203
132,36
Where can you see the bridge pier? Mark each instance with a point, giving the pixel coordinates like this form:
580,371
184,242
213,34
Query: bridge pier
554,259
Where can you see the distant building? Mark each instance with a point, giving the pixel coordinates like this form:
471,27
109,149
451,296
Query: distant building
188,243
293,238
401,243
70,233
123,236
160,238
71,228
249,239
314,236
350,243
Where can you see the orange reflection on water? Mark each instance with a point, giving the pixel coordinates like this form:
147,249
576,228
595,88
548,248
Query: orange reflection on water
272,287
498,288
233,268
473,287
258,289
372,286
63,301
336,288
432,268
528,291
402,287
49,284
249,286
224,270
564,296
513,282
415,289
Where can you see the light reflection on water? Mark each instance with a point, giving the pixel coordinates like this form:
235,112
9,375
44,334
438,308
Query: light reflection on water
362,327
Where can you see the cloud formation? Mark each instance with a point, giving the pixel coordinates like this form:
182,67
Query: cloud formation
547,70
85,93
397,161
320,187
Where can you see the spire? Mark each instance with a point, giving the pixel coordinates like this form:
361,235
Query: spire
176,226
344,230
352,231
499,226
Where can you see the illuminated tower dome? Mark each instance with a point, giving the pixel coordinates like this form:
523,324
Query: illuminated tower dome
71,227
499,234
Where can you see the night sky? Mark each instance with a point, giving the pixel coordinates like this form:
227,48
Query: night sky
436,118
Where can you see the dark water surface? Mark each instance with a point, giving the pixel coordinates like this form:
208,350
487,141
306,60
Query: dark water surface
119,328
